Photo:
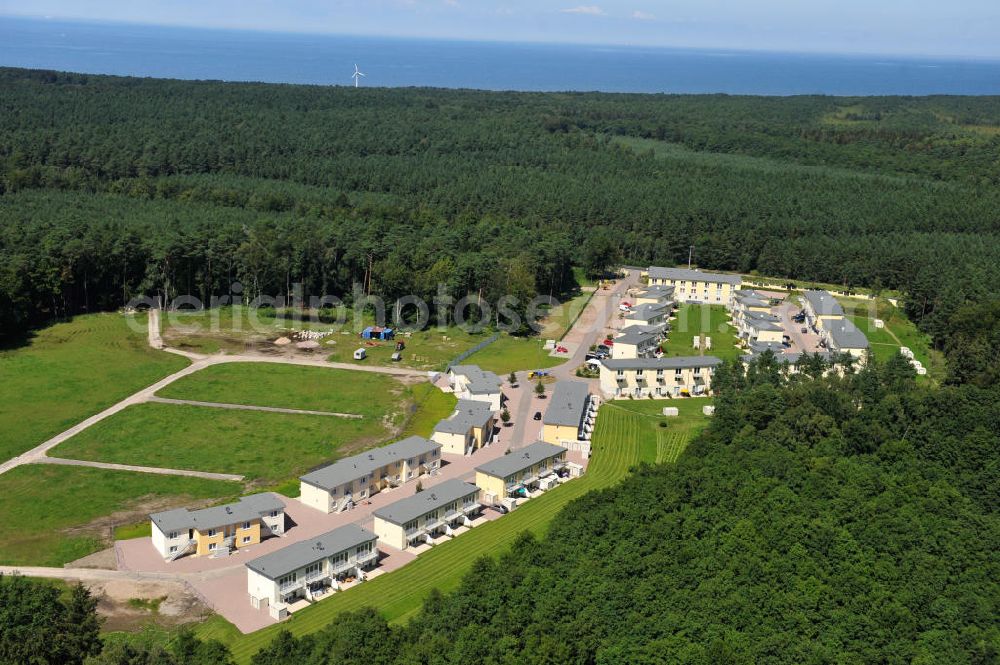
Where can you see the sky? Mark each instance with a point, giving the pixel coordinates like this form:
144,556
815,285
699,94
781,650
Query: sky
965,28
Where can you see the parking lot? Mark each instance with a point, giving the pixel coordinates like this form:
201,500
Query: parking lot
801,342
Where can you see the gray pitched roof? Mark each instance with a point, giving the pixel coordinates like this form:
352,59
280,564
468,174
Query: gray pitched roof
636,337
764,324
638,328
657,291
693,275
760,347
303,553
763,316
424,502
468,414
480,381
567,404
752,301
823,303
680,362
521,459
647,312
845,335
362,464
247,508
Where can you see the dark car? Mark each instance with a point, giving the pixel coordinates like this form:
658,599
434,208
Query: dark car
537,416
604,348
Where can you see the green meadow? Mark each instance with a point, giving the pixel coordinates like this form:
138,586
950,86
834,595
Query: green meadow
55,514
70,371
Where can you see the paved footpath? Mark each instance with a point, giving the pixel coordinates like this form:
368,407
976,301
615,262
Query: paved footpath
39,454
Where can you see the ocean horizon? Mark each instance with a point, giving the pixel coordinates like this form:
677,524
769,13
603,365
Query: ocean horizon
273,57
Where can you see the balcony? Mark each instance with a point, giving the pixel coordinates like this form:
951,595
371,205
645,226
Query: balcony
367,557
291,586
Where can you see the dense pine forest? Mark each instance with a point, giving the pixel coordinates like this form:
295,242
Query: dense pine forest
117,187
818,519
822,520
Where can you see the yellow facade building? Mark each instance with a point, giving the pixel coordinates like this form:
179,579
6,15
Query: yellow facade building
564,417
218,530
520,469
696,285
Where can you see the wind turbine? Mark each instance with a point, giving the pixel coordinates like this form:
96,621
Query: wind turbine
357,75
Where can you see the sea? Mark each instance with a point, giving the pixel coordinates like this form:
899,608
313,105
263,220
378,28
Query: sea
233,55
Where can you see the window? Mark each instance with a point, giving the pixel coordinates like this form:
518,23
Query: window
314,568
333,492
246,539
274,513
659,372
677,372
212,532
287,579
172,535
422,459
621,373
246,526
212,546
173,548
410,526
638,373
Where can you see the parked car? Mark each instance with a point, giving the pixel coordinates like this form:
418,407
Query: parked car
609,342
804,329
537,416
603,347
623,307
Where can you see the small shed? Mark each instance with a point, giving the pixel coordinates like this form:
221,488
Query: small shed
377,332
360,354
671,411
708,410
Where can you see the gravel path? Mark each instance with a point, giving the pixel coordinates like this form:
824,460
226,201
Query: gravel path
249,407
208,475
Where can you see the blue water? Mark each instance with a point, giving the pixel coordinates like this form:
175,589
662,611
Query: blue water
329,59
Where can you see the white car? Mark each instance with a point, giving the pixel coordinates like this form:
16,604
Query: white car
624,308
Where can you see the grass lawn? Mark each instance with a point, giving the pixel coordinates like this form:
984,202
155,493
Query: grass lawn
268,447
672,433
430,405
513,354
55,514
70,371
623,438
898,331
559,319
711,320
430,349
293,387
